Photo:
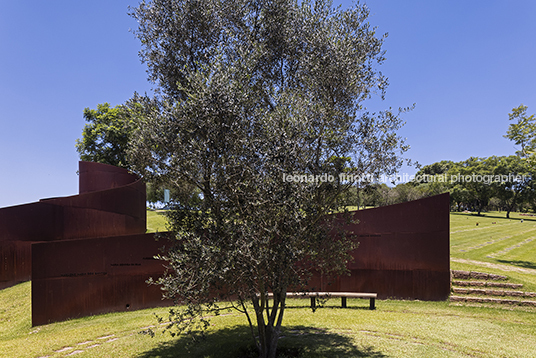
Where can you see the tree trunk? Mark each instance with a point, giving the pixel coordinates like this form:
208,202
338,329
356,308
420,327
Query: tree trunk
510,206
270,348
269,329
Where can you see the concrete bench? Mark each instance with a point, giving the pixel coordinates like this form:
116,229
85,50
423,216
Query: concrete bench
342,295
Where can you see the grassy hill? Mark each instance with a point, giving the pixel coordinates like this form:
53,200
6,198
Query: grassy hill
396,329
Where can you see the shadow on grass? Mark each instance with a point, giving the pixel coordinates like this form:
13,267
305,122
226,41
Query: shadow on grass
519,263
492,216
236,342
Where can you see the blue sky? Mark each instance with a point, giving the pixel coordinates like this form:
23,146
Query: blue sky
465,64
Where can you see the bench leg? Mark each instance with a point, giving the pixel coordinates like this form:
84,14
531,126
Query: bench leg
372,303
343,302
313,302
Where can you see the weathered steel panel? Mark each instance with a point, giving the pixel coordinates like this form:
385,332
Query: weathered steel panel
16,262
98,176
403,251
111,205
76,278
30,221
19,227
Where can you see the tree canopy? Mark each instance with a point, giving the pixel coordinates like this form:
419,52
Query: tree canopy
260,108
478,184
106,136
523,132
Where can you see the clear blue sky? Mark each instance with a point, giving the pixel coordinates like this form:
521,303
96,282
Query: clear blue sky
465,64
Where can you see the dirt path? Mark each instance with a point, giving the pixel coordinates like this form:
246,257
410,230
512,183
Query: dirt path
495,266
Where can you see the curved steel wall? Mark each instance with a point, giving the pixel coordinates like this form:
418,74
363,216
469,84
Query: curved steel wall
77,278
404,251
112,202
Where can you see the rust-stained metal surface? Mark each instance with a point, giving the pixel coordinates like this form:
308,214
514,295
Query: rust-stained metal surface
16,262
97,176
77,278
403,251
112,202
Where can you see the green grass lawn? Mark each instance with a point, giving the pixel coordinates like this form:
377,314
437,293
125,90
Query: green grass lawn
394,329
156,221
496,245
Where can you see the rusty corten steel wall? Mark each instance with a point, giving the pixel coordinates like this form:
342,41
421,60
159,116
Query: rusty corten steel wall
112,205
19,227
97,176
403,251
77,278
16,262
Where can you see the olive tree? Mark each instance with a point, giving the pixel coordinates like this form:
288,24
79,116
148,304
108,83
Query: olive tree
260,108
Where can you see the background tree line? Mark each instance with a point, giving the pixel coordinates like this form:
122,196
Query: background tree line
518,193
491,192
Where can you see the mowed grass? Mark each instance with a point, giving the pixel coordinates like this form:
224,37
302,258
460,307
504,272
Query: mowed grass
494,238
156,221
496,245
394,329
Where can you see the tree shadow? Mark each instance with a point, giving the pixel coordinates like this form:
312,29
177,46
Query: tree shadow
492,216
236,342
519,263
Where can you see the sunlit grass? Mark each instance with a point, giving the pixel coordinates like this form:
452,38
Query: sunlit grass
498,241
156,221
394,329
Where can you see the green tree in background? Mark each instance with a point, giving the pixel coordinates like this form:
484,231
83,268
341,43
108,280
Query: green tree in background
513,193
507,182
106,136
523,133
517,192
478,192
